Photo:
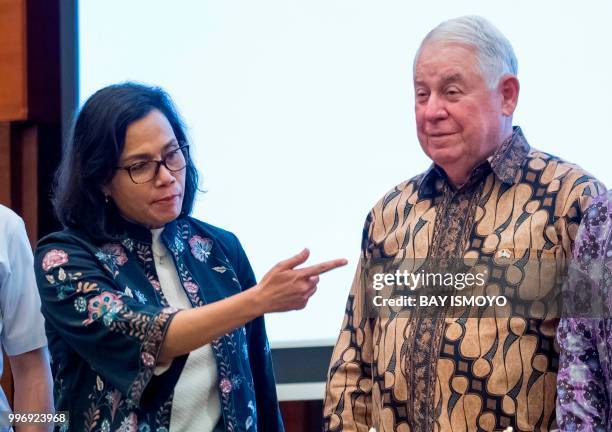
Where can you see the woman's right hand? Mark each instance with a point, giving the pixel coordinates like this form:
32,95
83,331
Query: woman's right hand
283,288
286,288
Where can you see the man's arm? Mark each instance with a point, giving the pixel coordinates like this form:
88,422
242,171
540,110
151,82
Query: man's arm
348,393
33,386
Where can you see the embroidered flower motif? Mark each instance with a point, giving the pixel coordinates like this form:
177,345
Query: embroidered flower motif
128,243
225,385
179,245
115,253
144,428
155,284
191,287
129,424
147,359
108,319
200,247
105,305
219,269
169,310
236,381
80,304
141,297
99,383
105,426
54,258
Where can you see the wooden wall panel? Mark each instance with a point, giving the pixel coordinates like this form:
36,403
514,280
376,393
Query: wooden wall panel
13,55
30,115
302,416
5,164
24,178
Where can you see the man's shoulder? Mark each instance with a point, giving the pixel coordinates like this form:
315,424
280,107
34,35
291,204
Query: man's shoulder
571,184
557,168
8,219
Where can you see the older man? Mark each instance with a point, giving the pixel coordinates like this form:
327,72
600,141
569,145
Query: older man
487,194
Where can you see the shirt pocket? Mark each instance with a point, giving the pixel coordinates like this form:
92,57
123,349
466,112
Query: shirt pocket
530,279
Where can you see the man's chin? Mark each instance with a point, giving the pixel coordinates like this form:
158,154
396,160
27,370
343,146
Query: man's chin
445,157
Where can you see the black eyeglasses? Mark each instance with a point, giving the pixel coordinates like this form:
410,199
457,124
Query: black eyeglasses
143,172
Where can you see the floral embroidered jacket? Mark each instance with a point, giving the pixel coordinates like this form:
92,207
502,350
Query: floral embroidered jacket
106,317
584,383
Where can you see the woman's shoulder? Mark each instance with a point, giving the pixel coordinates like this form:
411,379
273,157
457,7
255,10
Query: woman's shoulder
211,231
225,240
66,238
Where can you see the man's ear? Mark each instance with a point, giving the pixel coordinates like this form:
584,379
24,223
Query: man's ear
509,89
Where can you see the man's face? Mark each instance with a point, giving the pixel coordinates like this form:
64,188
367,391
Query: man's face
459,118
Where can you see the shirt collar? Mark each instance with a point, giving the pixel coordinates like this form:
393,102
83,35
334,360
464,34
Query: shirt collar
510,156
142,233
505,163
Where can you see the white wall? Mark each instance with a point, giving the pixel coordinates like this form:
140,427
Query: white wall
301,112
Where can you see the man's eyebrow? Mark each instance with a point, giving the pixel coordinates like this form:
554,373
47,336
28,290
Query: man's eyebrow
451,78
454,77
147,156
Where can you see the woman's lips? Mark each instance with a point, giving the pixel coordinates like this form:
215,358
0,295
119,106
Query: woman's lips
166,200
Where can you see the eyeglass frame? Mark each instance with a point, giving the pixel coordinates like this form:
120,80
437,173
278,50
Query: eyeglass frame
159,163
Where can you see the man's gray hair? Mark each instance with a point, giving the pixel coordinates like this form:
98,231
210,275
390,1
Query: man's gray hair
493,50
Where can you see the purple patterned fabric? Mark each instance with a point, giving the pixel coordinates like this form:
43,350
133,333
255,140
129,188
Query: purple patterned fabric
584,381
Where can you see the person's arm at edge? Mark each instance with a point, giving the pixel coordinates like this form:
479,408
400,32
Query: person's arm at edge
33,387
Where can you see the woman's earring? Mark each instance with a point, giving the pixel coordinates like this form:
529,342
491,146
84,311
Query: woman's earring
106,199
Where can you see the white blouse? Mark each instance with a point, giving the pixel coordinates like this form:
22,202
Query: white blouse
196,404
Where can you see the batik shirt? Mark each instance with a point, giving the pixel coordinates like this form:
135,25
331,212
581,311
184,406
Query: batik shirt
442,373
106,317
585,369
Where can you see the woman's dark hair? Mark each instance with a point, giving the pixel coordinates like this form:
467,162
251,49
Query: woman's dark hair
93,150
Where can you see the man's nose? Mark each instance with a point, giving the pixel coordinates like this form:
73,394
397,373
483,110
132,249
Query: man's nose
435,109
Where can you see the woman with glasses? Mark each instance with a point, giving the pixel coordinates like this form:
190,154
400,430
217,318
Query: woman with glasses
154,318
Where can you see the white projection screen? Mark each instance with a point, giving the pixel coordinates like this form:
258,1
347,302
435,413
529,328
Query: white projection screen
301,112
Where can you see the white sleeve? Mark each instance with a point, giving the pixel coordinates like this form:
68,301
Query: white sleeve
22,322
